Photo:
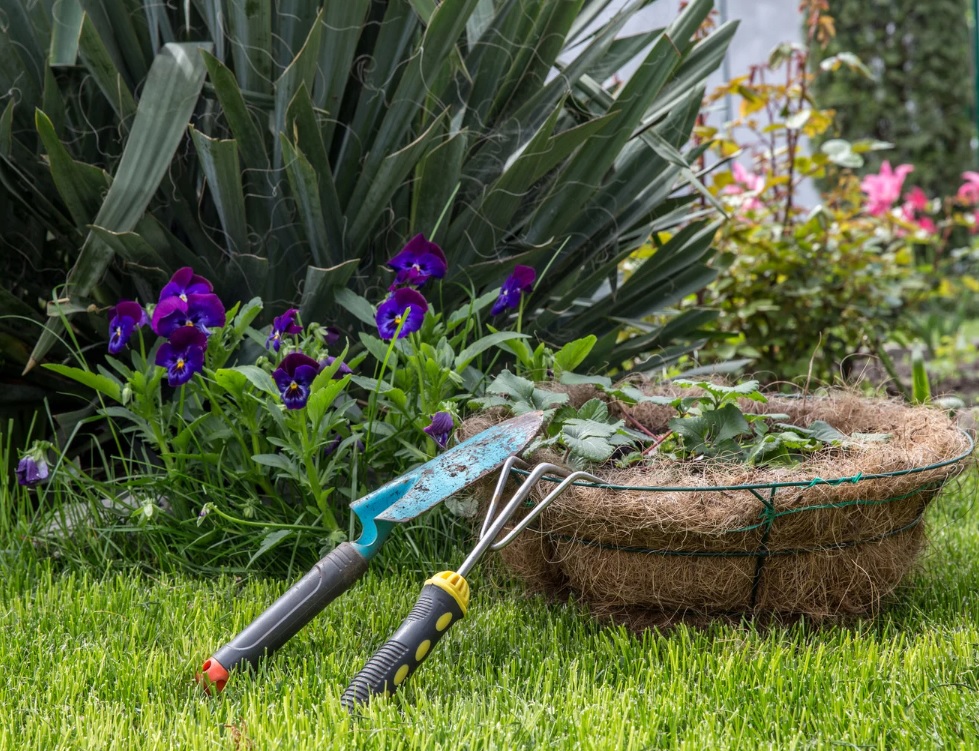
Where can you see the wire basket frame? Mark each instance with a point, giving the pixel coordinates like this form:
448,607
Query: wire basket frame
766,493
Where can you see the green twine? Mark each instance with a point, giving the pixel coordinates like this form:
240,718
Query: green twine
769,514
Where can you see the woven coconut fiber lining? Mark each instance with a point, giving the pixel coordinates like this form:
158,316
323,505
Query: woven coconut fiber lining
828,537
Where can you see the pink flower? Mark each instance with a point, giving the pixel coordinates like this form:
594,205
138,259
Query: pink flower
969,192
913,210
884,189
915,200
746,184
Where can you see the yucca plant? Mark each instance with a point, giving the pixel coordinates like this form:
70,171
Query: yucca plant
287,149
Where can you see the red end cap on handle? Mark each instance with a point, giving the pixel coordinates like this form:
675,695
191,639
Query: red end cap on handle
212,677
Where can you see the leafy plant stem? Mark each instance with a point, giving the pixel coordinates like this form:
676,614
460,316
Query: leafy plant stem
427,406
372,402
262,525
312,476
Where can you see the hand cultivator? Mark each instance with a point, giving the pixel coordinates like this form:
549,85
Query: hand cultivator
444,598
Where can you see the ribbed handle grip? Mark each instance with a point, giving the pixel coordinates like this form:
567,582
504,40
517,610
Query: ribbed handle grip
328,579
438,607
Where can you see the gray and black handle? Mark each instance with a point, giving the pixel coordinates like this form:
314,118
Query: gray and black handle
443,601
328,579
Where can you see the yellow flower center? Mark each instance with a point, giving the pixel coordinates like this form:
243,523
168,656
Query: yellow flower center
293,386
397,320
118,330
180,363
183,297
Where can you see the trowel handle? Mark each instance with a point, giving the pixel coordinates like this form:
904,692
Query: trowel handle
444,600
328,579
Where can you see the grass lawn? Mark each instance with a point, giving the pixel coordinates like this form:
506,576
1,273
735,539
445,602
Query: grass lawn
92,661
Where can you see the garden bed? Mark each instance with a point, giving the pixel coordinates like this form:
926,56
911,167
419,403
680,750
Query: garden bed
828,537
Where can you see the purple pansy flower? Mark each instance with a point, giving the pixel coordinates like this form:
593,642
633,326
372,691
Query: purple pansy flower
127,316
294,376
183,355
284,324
441,428
32,470
200,311
343,370
333,445
520,282
417,262
331,335
394,310
185,283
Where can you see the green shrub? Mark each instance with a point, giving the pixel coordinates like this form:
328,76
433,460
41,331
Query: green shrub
803,291
321,136
919,95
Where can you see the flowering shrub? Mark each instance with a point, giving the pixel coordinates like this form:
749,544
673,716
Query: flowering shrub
232,428
802,290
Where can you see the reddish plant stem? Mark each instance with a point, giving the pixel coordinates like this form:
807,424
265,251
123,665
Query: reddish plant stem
652,447
635,423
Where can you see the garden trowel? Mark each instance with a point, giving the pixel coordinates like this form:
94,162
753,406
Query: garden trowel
399,501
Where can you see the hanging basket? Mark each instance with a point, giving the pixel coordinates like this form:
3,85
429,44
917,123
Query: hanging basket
828,537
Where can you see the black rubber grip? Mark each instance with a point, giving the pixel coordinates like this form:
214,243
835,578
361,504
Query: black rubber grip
433,614
328,579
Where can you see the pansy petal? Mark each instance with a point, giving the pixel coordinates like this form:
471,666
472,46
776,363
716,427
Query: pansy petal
206,311
341,371
185,282
169,315
391,313
120,329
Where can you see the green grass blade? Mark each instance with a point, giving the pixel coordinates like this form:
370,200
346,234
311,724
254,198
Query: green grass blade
436,182
290,26
304,127
136,252
301,73
219,162
388,40
7,129
388,178
105,72
320,288
304,186
249,138
920,384
446,25
169,96
81,186
250,39
66,26
342,29
479,21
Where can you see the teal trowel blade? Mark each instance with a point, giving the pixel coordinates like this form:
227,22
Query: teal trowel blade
426,486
